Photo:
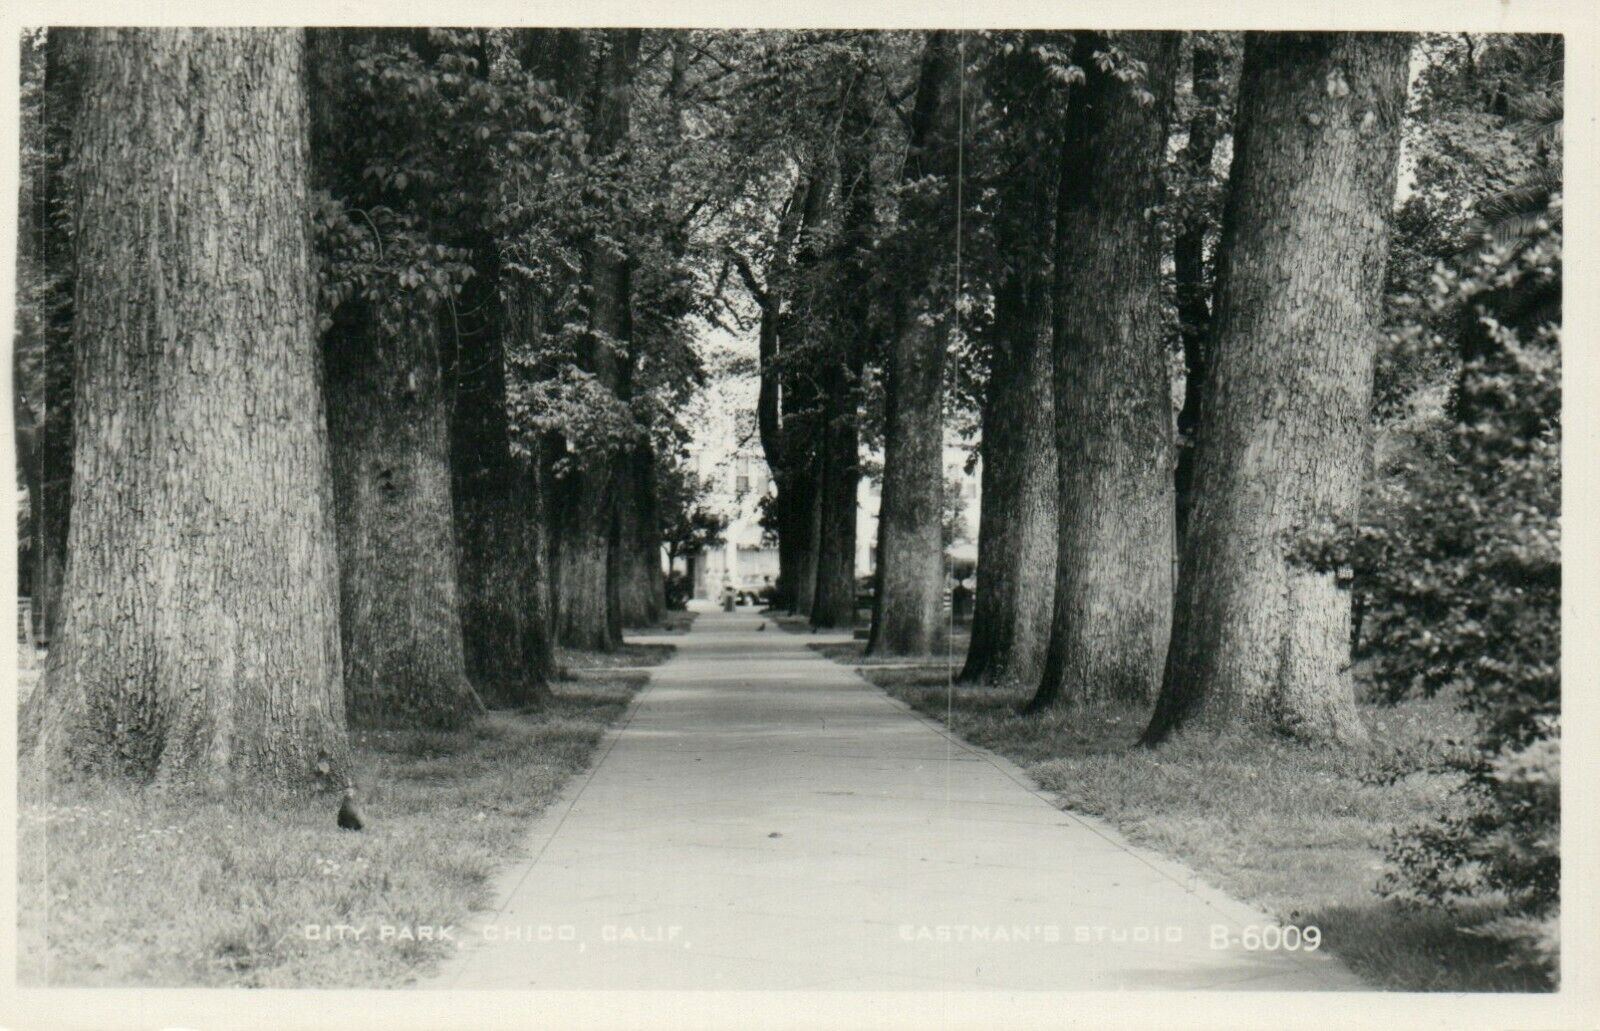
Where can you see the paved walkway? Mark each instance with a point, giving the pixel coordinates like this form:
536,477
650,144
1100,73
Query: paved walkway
766,819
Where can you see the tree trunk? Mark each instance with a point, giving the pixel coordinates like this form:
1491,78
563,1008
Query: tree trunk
643,588
839,475
908,609
1189,268
848,327
1259,641
404,657
389,430
801,401
1113,408
497,534
590,613
769,401
522,305
199,639
808,528
62,79
1017,522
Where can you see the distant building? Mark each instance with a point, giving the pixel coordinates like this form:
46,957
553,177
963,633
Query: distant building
726,453
748,558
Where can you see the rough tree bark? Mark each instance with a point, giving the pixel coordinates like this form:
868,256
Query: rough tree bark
801,401
1017,522
389,429
404,657
55,444
588,596
1113,408
199,637
523,314
848,326
1259,641
642,587
496,530
1189,266
496,518
908,603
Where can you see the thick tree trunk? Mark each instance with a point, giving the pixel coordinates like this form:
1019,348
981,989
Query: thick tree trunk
808,529
1189,269
1113,408
1017,522
643,587
908,609
589,595
62,79
1259,641
523,313
801,403
848,326
497,536
839,475
769,401
389,430
199,637
404,658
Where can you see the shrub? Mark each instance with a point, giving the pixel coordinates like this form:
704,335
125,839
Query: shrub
1458,561
679,590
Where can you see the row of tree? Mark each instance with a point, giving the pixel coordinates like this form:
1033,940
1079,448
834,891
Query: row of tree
348,376
982,222
1260,337
1148,270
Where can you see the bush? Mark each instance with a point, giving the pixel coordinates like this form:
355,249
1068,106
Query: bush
679,590
1458,561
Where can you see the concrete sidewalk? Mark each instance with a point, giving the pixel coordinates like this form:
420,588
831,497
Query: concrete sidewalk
766,819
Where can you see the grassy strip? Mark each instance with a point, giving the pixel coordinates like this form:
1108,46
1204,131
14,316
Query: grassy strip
119,886
1295,830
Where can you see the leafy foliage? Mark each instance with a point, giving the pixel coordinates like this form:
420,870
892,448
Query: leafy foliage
1459,557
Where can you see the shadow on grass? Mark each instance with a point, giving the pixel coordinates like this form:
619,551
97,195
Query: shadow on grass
1424,950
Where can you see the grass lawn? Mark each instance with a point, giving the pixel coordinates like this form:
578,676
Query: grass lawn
119,886
1296,830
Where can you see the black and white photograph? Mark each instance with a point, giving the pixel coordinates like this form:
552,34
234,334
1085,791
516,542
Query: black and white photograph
872,518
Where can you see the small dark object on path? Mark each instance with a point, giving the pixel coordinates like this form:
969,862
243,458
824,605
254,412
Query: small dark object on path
350,817
763,626
775,834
